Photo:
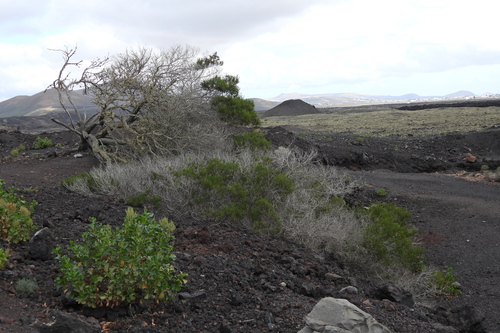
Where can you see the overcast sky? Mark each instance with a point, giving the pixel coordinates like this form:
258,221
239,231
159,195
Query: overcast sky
383,47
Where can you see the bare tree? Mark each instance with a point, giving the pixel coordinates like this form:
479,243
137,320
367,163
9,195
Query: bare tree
148,103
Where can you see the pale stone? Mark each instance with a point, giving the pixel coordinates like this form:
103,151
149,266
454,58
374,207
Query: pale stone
335,315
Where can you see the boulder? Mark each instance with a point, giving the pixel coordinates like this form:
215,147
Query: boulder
340,316
70,323
470,158
464,318
41,245
395,294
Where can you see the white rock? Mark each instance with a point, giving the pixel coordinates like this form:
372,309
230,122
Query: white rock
335,315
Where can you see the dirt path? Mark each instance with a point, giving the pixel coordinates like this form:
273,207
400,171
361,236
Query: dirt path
467,216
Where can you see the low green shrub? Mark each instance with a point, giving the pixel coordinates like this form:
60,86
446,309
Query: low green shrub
4,255
128,265
42,143
15,215
253,140
14,152
26,286
389,238
446,282
381,192
142,199
233,193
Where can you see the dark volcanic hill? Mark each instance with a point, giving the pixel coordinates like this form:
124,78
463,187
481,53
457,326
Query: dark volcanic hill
42,103
291,107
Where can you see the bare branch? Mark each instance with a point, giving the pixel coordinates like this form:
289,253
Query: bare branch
148,103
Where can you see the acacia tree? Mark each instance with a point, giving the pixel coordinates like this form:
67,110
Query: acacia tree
151,103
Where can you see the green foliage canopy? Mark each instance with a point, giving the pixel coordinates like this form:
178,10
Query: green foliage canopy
128,265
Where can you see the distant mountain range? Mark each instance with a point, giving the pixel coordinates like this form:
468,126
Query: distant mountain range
351,99
44,103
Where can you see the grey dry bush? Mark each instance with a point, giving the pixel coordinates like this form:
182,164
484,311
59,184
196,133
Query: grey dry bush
308,214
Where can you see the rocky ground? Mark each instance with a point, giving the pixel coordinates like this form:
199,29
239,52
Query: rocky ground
241,282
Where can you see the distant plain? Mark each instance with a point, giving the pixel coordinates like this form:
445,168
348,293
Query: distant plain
386,120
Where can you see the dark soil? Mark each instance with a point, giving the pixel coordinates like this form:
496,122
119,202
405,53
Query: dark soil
241,282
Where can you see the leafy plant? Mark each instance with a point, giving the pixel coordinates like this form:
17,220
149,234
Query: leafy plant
253,139
42,143
128,265
389,238
26,286
381,192
233,194
15,221
4,255
446,282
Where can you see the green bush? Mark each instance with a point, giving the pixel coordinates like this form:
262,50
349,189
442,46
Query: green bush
142,199
381,192
4,255
128,265
41,143
236,110
15,215
253,140
389,238
26,286
446,282
233,193
15,152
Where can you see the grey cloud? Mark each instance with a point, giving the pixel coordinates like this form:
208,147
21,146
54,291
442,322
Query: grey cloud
201,18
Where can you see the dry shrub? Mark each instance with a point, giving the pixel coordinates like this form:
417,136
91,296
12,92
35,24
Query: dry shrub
312,214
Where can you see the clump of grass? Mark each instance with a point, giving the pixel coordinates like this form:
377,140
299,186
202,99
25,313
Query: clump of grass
446,282
82,180
381,192
26,287
42,143
15,152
